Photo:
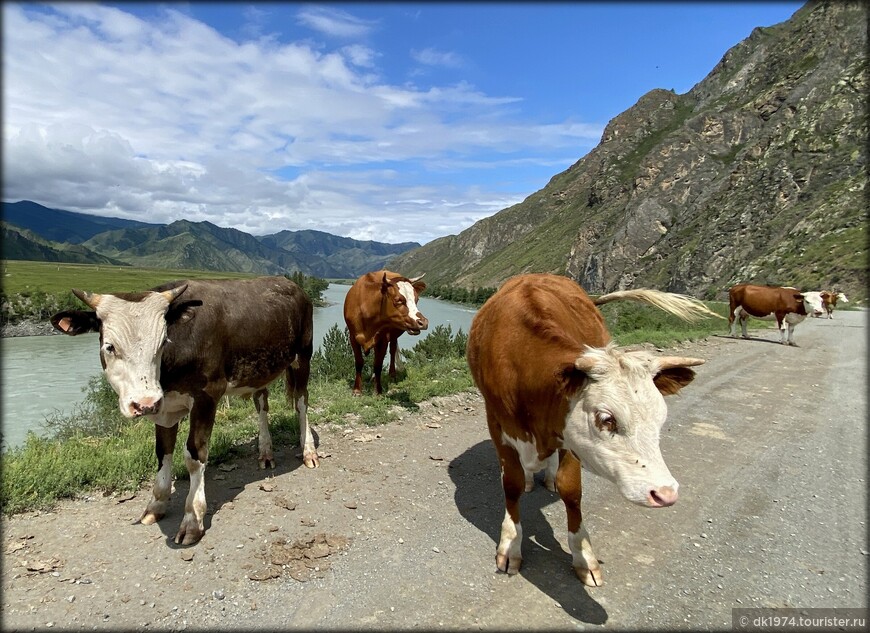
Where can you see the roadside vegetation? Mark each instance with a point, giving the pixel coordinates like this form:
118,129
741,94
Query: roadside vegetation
33,291
94,448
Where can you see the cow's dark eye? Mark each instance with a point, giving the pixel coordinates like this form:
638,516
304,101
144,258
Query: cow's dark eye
605,422
109,349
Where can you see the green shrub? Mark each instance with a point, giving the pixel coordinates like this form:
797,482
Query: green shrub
334,359
440,344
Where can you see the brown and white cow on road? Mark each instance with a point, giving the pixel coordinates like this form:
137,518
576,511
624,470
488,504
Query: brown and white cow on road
559,392
178,348
787,305
829,300
378,309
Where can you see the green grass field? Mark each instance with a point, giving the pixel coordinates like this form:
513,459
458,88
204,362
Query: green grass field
52,277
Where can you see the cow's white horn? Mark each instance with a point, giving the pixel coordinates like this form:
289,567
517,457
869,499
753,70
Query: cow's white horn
173,293
413,279
91,299
669,362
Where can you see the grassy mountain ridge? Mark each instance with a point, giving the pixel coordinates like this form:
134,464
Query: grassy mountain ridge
58,225
22,244
757,174
194,245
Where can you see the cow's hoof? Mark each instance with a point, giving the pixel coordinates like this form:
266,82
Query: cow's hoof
311,460
589,577
267,461
188,535
149,518
793,344
508,566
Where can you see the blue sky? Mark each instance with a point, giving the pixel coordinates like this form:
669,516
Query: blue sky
385,121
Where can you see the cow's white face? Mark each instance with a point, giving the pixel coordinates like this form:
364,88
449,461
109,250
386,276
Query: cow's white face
614,420
813,303
842,297
415,318
132,338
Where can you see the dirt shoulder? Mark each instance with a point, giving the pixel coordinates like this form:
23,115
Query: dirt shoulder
397,528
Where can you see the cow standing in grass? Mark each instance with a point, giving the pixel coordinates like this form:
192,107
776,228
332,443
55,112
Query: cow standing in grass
176,349
378,309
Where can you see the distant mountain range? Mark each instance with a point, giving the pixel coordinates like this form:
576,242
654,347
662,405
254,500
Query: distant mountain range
34,232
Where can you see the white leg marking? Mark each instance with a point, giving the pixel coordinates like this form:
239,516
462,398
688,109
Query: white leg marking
510,544
584,560
265,440
736,316
306,439
156,508
192,526
550,472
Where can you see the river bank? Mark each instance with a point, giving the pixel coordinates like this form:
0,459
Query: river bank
27,328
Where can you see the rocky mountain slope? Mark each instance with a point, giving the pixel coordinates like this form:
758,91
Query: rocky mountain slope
757,174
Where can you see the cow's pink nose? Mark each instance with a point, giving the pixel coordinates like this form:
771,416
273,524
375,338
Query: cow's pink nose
423,322
146,406
663,497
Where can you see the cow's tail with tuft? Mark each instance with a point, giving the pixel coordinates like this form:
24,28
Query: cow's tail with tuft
687,308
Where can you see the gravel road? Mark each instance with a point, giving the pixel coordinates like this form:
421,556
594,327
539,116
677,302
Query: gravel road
397,528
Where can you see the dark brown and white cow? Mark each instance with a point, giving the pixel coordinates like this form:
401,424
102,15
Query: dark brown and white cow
559,392
178,348
378,309
829,301
787,305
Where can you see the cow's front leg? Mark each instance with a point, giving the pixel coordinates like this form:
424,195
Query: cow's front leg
380,354
266,456
570,488
164,446
358,362
550,471
195,458
395,361
508,554
783,326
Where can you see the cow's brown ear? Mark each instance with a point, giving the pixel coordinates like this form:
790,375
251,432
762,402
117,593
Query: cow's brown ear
669,381
571,379
385,284
182,311
73,322
419,286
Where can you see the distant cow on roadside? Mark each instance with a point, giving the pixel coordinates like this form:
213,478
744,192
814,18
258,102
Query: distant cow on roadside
829,300
787,305
179,347
558,393
378,309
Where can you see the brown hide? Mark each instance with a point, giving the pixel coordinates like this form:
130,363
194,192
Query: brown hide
518,344
376,315
760,301
221,335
